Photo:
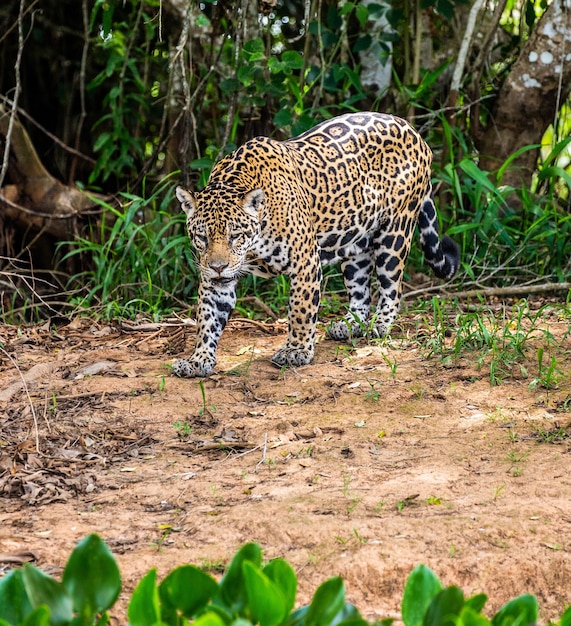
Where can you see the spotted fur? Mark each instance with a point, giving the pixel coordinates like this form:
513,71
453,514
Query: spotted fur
352,189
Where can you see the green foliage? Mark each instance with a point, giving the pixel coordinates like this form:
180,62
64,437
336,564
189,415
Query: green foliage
124,36
500,241
249,593
139,260
499,339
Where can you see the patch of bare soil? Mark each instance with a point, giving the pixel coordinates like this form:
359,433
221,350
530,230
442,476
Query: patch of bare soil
364,464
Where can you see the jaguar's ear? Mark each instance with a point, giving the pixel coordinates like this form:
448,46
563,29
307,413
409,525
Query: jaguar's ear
253,202
186,200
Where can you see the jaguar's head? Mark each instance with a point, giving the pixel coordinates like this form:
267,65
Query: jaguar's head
223,225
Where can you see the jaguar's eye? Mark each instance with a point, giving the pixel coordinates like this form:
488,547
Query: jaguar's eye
234,238
200,240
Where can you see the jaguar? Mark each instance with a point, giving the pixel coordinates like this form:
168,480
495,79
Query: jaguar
350,190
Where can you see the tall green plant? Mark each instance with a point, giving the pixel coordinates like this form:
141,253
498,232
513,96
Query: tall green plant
138,260
506,234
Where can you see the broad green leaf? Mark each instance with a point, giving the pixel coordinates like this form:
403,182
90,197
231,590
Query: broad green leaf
555,172
566,618
421,587
349,616
445,608
476,603
283,118
43,589
266,602
362,14
101,141
199,164
298,616
255,45
14,602
481,177
91,577
187,589
144,608
209,619
469,617
283,575
38,617
232,589
520,611
327,601
293,59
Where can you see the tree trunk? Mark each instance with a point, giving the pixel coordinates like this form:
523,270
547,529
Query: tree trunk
35,198
530,98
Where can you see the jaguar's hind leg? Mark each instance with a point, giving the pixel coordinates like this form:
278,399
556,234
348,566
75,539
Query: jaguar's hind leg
391,251
357,277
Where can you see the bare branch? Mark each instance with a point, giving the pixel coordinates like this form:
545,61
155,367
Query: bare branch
464,49
17,91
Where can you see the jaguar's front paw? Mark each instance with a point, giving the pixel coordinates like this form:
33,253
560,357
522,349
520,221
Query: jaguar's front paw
292,357
190,368
343,330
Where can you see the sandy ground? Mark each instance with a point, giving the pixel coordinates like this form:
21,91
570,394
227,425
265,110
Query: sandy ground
364,464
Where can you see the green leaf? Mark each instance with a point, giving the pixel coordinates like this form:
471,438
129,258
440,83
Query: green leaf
43,589
362,43
282,574
187,589
421,587
327,601
555,172
229,85
91,577
445,608
201,164
101,141
349,616
232,586
476,603
38,617
283,118
506,164
362,14
211,619
469,617
255,45
14,602
557,150
144,608
566,618
520,611
293,59
265,600
297,618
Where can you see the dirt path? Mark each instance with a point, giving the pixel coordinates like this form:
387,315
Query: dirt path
363,464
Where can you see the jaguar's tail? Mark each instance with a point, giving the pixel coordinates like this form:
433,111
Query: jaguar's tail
443,255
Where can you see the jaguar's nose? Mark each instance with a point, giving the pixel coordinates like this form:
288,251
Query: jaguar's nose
218,267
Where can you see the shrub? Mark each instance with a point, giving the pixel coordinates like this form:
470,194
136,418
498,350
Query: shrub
250,592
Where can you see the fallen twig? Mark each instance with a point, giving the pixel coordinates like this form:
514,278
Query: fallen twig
264,450
515,290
